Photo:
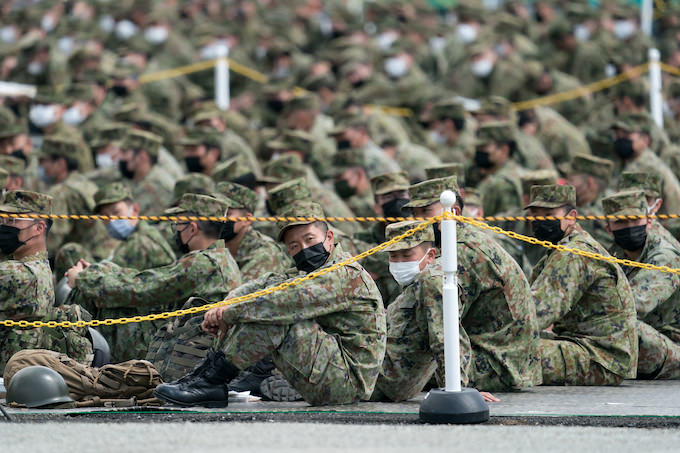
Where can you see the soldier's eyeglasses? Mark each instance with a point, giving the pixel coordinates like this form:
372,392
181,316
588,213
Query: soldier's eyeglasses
13,220
173,226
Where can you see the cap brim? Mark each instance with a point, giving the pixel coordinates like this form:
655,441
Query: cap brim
421,203
628,212
544,204
397,246
288,226
174,211
9,209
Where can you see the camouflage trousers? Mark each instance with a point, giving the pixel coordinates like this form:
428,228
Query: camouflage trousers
659,355
15,340
568,363
310,359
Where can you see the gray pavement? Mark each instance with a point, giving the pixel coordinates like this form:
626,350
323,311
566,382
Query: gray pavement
284,437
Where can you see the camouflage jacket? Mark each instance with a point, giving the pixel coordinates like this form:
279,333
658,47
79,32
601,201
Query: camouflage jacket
501,191
588,302
154,193
345,303
145,248
657,294
209,273
258,254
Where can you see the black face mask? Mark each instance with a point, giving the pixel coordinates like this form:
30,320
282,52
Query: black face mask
359,83
311,258
344,144
19,153
343,188
248,180
120,90
122,167
9,239
482,159
228,232
395,208
194,164
184,248
632,238
269,207
547,230
623,147
275,105
437,235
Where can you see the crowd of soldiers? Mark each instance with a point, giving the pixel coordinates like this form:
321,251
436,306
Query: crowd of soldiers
318,138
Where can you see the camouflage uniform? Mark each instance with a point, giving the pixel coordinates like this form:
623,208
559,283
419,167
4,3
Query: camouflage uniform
588,302
326,336
360,203
208,273
656,294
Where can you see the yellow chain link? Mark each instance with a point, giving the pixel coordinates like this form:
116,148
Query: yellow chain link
240,299
562,248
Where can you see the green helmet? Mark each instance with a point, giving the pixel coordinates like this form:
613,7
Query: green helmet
37,386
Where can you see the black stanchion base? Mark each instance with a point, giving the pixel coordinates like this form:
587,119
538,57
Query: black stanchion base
466,406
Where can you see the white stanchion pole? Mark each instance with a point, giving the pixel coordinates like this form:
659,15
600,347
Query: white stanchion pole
655,95
450,296
646,16
222,78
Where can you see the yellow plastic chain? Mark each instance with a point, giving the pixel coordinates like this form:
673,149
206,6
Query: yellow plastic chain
240,299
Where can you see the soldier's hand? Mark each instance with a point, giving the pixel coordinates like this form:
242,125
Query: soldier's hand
84,263
489,398
212,321
72,274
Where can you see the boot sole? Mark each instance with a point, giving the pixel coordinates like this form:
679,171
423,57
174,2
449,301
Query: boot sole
279,390
208,404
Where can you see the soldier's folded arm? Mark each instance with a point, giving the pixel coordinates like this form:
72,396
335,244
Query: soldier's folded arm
656,288
16,301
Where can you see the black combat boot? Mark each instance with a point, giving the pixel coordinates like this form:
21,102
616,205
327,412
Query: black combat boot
250,379
198,370
208,388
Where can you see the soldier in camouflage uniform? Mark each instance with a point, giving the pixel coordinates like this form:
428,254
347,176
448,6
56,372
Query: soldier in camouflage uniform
326,336
26,288
207,270
150,184
446,132
352,183
585,306
590,175
656,293
254,252
500,189
15,168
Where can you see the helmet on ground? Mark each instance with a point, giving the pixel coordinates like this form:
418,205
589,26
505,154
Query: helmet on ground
37,386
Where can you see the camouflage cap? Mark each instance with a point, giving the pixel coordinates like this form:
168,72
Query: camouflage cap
348,158
448,109
111,193
428,192
12,165
109,133
229,170
472,197
12,130
628,202
496,106
446,170
537,178
237,196
651,183
552,196
200,137
389,182
197,183
59,145
141,140
47,95
284,168
304,102
496,132
201,205
300,208
634,122
298,140
591,165
79,92
288,192
25,202
396,229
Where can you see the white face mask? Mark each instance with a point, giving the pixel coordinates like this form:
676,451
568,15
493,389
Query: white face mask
482,67
107,23
8,34
48,23
396,67
43,115
66,44
610,70
624,29
436,137
582,33
73,116
437,43
35,68
125,29
104,160
466,33
156,34
385,40
405,273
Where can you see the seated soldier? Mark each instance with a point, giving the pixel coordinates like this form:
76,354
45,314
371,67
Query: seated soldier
657,294
585,305
496,310
206,270
26,288
325,335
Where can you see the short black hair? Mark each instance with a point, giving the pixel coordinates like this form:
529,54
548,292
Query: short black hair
209,228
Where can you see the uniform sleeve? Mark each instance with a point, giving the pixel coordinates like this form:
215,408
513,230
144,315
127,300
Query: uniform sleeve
18,292
560,284
652,288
